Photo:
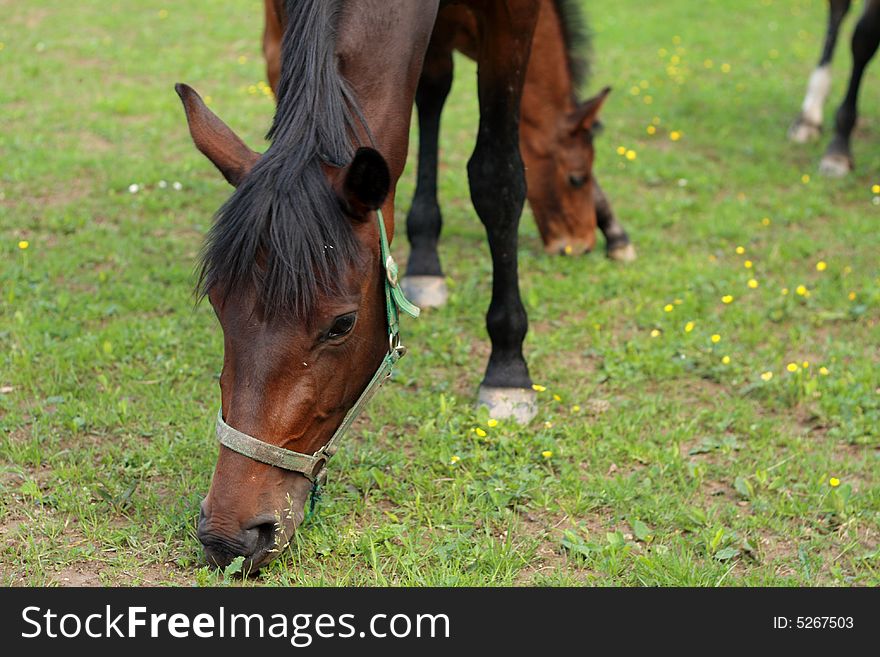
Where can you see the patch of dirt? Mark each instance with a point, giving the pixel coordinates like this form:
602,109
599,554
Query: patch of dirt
89,574
548,531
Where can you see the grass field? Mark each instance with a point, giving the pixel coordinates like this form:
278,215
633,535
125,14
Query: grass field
659,457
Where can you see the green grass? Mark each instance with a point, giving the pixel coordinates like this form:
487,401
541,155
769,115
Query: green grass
668,466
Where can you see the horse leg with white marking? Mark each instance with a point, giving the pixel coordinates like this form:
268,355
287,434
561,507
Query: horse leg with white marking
808,125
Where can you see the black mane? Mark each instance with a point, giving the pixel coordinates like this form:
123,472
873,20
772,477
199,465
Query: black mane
283,233
577,37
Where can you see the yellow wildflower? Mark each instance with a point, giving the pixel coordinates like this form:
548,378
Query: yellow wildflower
538,388
727,298
688,327
821,265
752,283
834,482
747,264
740,250
455,459
621,150
765,221
851,296
668,308
547,453
726,360
492,422
575,408
23,245
675,135
823,371
792,367
651,129
766,376
655,333
557,398
805,178
801,290
631,155
480,432
715,338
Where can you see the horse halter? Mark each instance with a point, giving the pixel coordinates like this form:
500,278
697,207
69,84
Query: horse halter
314,466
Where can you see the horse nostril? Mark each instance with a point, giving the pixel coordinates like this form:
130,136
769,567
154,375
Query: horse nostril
222,546
264,536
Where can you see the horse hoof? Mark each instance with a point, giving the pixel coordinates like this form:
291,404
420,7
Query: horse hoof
835,166
519,404
802,132
425,291
623,253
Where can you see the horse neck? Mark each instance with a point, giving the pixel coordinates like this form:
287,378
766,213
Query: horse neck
549,88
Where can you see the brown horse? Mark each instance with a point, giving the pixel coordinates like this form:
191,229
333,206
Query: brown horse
296,264
556,139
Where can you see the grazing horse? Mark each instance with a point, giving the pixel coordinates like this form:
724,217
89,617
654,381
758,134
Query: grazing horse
838,160
556,139
297,264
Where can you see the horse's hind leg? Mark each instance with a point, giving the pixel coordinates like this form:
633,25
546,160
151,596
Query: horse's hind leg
808,125
498,191
424,283
617,244
838,160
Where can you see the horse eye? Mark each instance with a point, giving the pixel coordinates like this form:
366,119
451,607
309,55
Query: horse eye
342,326
577,181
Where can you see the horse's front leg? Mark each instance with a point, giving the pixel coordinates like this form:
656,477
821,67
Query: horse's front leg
498,191
617,244
424,282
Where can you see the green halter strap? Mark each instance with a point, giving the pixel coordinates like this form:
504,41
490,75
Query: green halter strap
314,466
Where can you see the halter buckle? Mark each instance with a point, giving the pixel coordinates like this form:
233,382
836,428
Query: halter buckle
391,271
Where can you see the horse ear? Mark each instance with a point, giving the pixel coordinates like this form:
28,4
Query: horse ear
215,139
584,115
367,182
